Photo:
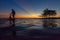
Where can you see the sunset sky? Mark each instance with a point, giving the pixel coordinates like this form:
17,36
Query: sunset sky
28,8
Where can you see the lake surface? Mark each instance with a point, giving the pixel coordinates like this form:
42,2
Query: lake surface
25,27
32,23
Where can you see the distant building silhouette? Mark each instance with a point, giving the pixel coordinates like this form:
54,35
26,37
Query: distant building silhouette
48,12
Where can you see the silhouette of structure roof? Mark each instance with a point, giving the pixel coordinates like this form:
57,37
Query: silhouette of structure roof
49,12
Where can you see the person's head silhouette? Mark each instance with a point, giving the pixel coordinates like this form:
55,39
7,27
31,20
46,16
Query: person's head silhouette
13,11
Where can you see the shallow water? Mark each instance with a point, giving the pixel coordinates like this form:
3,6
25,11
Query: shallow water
31,23
25,27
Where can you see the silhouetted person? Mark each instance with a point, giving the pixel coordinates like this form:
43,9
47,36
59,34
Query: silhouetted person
12,22
12,16
13,13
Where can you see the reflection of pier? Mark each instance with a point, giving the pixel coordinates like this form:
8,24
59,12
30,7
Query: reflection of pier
49,23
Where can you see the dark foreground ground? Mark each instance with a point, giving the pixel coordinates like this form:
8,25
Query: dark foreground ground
29,34
30,38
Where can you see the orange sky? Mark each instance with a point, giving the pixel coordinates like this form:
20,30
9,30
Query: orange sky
25,16
21,16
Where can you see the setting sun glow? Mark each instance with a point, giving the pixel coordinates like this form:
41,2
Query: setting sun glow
27,16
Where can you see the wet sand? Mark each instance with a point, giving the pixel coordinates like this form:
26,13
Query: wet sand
29,34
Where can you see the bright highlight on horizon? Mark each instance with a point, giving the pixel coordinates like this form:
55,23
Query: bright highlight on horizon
28,8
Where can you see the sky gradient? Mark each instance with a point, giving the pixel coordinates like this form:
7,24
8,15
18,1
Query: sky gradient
28,7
